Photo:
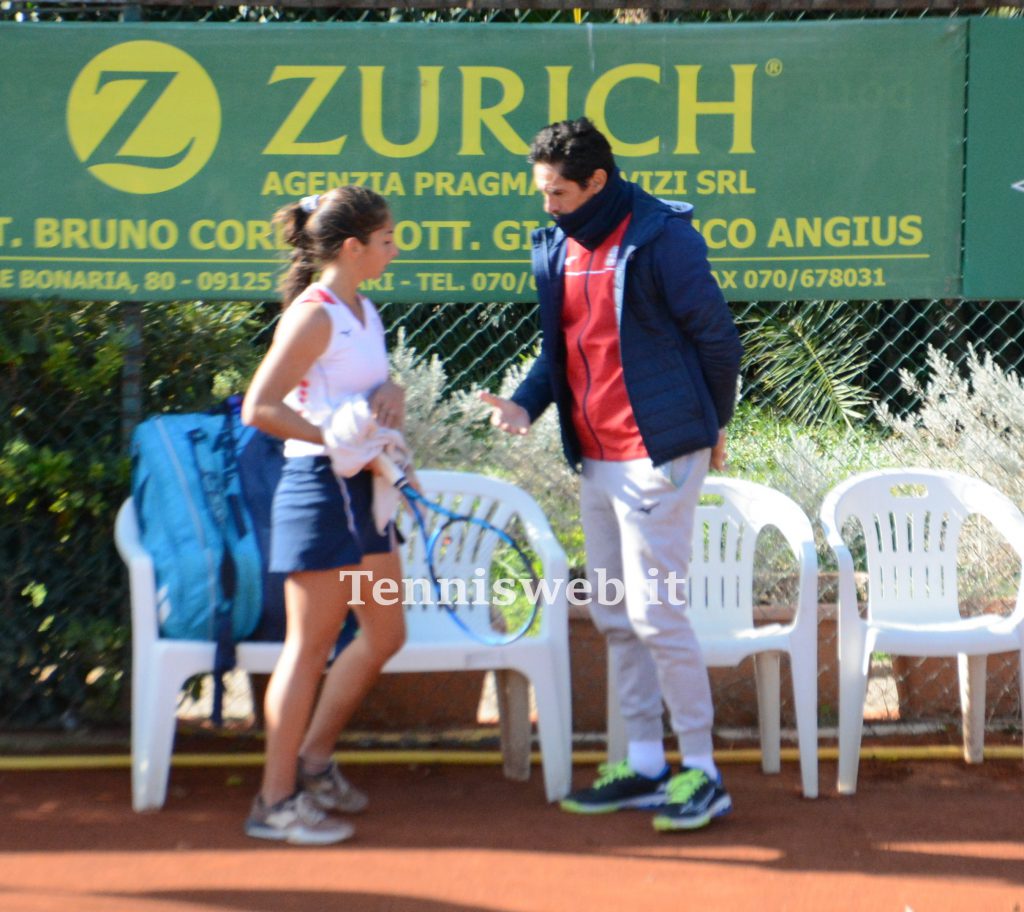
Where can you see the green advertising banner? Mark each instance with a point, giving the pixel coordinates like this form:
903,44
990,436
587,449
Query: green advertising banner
994,206
146,161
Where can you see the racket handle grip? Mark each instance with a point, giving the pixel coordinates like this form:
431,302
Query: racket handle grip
385,466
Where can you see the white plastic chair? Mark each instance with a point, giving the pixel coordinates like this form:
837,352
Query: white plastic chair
730,517
435,643
911,521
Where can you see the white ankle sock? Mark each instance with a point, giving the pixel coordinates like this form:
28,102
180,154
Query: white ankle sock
647,758
703,762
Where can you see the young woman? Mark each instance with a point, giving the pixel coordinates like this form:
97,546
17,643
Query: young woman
329,345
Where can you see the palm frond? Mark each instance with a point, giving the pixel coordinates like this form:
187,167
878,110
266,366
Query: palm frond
808,361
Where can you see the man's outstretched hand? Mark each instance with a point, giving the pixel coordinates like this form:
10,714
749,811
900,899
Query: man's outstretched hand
507,415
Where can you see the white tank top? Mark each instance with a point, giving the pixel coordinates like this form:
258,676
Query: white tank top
355,361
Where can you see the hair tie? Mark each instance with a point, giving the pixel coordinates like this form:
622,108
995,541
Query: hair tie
309,203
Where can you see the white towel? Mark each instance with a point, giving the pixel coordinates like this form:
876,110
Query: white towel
353,439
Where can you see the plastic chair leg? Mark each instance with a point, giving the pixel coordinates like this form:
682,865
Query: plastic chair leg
153,727
616,737
805,699
513,692
554,733
853,686
766,675
972,705
1020,678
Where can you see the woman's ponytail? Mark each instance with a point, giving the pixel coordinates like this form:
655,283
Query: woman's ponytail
302,267
316,227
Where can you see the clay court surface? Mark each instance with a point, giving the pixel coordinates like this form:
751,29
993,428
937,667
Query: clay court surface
922,835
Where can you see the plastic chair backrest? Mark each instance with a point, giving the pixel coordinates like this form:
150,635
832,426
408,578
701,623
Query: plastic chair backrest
731,517
911,522
129,545
722,563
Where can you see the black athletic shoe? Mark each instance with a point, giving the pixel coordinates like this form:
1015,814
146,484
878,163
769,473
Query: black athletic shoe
618,787
693,801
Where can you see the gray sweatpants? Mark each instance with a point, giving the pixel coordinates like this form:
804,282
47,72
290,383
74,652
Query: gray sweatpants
638,521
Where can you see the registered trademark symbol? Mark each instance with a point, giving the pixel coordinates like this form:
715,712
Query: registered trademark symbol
773,67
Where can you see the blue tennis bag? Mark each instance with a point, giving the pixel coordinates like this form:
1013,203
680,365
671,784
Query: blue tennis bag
202,485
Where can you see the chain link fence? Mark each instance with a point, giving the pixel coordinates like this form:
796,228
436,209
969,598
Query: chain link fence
829,388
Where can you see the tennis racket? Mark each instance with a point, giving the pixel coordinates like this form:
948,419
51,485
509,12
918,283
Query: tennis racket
501,600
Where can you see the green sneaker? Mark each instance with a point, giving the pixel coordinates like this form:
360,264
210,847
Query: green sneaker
618,787
694,800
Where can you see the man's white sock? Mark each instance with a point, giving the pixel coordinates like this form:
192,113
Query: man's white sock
647,758
703,762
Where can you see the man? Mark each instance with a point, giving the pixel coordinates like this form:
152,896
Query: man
641,356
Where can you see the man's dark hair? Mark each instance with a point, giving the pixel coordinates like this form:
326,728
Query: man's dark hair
576,146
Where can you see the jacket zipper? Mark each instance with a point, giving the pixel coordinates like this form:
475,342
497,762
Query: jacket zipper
583,356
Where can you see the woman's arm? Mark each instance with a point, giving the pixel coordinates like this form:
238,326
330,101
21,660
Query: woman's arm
303,334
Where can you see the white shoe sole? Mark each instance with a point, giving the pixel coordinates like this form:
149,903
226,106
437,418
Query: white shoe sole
300,837
640,803
719,808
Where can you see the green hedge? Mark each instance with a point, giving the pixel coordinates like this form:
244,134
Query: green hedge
64,471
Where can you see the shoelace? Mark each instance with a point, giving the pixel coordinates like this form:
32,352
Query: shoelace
330,777
610,772
308,811
342,784
681,788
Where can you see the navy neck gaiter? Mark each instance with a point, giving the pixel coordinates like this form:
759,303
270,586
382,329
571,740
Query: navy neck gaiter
600,215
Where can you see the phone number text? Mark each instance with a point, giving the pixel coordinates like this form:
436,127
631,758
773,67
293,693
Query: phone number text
798,279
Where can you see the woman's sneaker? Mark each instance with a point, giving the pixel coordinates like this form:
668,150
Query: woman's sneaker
617,787
332,791
694,799
296,820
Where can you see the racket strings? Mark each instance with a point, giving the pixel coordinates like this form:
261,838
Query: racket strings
471,541
504,582
515,581
479,573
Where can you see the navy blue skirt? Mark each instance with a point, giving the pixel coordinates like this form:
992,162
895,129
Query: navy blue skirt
319,521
